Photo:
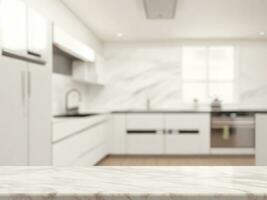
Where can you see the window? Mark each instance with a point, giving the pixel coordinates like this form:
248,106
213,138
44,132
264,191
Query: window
208,73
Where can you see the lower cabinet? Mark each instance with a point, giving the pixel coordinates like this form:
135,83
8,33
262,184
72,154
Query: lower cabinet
261,138
145,142
84,147
187,134
84,142
144,134
13,106
118,145
180,134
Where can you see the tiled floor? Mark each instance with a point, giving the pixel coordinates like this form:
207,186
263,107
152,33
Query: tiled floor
178,161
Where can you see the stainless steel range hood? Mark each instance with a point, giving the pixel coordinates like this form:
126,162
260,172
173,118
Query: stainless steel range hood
160,9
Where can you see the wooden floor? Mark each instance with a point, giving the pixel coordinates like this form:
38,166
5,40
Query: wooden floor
178,161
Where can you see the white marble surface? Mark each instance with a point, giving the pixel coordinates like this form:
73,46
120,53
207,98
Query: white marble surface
134,183
135,72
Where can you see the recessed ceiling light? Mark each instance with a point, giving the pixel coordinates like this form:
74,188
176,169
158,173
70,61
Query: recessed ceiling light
119,34
262,33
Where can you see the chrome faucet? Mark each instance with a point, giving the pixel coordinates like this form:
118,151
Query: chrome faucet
73,110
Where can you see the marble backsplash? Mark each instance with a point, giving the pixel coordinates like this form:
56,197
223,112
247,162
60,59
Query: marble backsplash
61,85
134,73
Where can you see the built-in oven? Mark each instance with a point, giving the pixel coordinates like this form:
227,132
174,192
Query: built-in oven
233,130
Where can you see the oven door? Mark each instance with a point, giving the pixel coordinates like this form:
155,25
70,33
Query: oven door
233,132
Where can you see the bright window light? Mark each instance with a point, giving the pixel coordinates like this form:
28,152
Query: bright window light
208,72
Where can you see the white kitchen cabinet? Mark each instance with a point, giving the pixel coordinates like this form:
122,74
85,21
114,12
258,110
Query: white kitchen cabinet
69,151
38,35
72,46
24,32
181,133
145,121
14,25
145,143
26,90
89,72
119,134
261,138
13,117
187,133
84,71
39,94
145,134
94,157
85,145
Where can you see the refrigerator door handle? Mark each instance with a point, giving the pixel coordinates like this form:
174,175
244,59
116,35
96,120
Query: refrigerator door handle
29,84
23,88
24,92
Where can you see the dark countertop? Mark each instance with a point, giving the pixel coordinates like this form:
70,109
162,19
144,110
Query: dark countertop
190,111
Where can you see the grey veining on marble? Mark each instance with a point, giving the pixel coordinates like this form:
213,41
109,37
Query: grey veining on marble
242,183
133,73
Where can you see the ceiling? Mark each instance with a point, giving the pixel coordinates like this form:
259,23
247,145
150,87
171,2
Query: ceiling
195,19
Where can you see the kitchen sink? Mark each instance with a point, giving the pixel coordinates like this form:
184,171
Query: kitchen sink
76,115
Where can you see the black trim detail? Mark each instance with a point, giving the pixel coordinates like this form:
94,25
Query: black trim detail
188,131
141,131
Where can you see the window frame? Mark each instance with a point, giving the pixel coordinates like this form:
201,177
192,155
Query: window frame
207,81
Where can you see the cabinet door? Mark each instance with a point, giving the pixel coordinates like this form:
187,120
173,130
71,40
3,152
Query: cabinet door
40,114
40,93
13,117
37,35
84,71
145,134
261,138
72,46
78,149
147,142
187,134
14,25
145,121
119,134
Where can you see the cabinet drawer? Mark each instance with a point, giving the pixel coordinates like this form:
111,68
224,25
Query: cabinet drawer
144,121
187,121
68,151
69,126
94,156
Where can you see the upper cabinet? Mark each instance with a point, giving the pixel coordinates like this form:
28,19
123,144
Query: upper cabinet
37,34
85,65
24,32
87,72
73,47
14,25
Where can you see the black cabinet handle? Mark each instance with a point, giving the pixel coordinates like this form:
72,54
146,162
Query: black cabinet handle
26,56
34,54
188,132
141,131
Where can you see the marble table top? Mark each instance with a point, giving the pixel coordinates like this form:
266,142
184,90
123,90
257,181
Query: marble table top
133,183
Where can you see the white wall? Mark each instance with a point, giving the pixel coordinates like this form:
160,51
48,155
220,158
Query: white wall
134,71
